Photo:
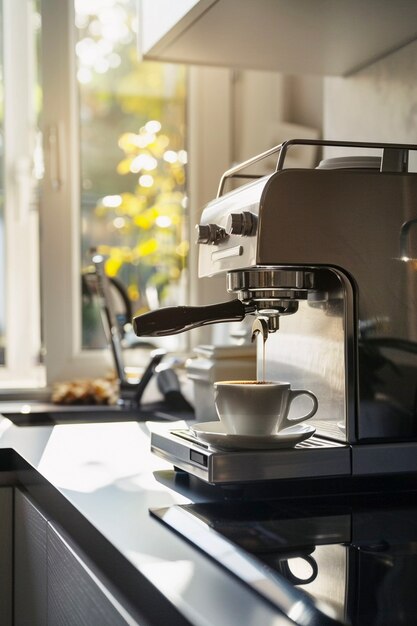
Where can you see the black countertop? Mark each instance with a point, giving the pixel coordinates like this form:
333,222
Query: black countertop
99,481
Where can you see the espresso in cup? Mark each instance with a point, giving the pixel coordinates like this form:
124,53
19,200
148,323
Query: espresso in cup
251,407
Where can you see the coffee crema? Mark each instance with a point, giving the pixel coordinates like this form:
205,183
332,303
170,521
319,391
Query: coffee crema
247,382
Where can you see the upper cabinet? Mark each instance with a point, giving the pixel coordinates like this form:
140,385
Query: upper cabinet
326,37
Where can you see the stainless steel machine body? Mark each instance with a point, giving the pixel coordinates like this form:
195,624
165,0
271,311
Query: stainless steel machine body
329,256
332,239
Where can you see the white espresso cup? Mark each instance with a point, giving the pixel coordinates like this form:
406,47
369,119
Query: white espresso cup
250,407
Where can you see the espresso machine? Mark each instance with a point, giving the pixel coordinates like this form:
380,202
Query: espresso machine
326,258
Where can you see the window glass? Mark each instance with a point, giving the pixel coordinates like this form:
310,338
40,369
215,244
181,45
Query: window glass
133,159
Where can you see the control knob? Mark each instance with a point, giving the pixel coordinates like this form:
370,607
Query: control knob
210,233
244,224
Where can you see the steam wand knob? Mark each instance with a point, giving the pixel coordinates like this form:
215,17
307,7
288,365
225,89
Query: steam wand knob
210,233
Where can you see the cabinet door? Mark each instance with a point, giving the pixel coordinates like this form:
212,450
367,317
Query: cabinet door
30,563
76,596
6,555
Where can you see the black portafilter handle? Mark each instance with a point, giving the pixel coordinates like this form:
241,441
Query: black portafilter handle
176,319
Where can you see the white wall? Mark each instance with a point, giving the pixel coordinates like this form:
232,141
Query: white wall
269,108
378,103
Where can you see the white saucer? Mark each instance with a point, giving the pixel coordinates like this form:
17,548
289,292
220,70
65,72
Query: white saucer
214,434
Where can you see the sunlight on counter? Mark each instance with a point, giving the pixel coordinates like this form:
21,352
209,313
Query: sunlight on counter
100,455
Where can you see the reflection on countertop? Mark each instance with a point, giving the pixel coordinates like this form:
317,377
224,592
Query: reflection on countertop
356,555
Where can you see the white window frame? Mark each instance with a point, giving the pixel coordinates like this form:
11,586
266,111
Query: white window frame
22,312
60,207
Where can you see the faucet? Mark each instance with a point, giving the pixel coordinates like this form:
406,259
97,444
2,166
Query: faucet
130,393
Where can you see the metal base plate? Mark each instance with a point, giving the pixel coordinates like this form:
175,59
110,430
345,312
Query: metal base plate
315,457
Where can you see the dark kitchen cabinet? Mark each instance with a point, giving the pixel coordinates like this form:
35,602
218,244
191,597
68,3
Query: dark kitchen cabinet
30,563
76,596
54,585
6,555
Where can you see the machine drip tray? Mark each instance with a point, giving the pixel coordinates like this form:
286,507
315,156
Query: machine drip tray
314,457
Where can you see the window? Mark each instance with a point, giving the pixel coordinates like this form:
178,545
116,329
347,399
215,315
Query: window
107,171
115,171
113,144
